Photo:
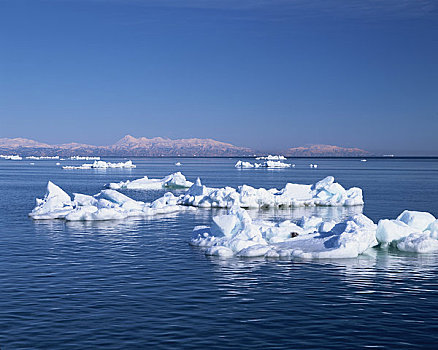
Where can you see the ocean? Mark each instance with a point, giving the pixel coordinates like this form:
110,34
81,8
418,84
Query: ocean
138,284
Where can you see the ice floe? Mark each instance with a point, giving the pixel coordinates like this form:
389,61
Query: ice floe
11,157
323,193
271,157
42,157
242,164
412,231
175,180
100,164
178,164
275,164
84,158
236,234
268,164
106,205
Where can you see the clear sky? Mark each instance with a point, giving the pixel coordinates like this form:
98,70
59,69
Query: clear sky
263,74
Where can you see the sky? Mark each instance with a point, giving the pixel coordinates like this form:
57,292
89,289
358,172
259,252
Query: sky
263,74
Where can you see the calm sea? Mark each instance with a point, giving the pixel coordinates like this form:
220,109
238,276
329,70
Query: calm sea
137,284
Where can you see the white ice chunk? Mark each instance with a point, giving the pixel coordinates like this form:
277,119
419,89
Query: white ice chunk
241,164
100,164
236,234
11,157
56,204
323,193
416,219
175,180
412,231
271,157
106,205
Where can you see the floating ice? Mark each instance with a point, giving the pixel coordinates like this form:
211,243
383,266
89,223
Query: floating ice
412,231
313,165
236,234
323,193
363,160
271,157
84,158
100,164
275,164
175,180
267,164
178,164
42,157
12,157
241,164
106,205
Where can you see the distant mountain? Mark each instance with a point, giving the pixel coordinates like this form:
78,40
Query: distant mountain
20,142
129,146
325,151
159,146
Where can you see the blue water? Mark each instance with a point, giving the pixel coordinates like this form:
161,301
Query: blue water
137,284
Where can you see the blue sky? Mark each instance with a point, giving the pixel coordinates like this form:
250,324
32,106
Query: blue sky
263,74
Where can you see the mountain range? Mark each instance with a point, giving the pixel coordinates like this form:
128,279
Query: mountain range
159,146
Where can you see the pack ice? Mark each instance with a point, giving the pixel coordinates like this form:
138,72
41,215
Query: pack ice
412,231
106,205
175,180
100,164
323,193
236,234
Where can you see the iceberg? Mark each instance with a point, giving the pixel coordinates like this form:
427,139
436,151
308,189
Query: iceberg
412,231
323,193
271,157
106,205
100,164
236,234
175,180
178,164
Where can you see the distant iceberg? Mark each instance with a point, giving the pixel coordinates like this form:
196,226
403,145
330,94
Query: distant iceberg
84,158
42,157
236,234
242,164
268,164
106,205
100,164
323,193
271,157
12,157
175,180
412,231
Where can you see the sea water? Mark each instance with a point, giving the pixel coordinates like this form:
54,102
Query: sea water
138,284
